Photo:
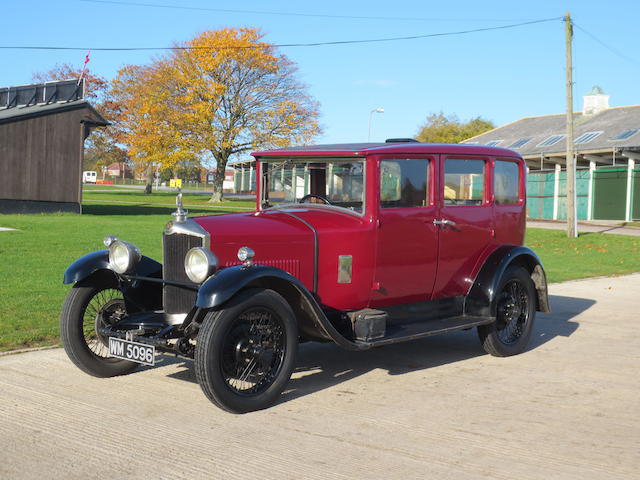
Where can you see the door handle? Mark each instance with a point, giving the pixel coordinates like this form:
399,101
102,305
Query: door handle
444,222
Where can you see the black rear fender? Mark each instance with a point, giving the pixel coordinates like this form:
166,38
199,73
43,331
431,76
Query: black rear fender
481,297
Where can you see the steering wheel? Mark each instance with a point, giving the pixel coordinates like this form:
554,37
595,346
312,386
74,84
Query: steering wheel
313,195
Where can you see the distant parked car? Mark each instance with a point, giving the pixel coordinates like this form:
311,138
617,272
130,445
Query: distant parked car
89,176
361,245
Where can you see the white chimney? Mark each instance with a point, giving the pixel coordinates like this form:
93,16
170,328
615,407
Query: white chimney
595,101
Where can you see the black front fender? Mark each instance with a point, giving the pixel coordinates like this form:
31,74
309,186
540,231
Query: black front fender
227,282
221,287
481,298
99,260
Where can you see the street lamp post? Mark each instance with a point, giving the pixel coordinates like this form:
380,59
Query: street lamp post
377,110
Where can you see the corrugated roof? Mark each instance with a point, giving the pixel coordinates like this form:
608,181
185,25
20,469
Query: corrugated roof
20,113
611,122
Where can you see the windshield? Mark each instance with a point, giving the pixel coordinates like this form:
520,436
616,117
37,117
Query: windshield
330,181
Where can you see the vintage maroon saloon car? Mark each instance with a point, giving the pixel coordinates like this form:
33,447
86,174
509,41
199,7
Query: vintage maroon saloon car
363,245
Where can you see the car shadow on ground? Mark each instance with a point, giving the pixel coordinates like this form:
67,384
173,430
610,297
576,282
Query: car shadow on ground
324,365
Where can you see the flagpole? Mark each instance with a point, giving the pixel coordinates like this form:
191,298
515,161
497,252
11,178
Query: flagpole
84,69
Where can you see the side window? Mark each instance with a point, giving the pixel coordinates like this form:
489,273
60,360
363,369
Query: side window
506,183
463,181
403,182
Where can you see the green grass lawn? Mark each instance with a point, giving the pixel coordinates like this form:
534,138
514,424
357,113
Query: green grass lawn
34,258
589,255
107,195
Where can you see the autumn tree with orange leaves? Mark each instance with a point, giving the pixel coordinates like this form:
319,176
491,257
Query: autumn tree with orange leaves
224,94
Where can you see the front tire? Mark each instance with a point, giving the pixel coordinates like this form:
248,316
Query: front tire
85,310
515,314
246,351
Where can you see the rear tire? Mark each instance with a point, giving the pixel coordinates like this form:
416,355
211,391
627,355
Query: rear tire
515,314
246,351
85,309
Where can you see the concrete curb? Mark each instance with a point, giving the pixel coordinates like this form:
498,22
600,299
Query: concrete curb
590,223
27,350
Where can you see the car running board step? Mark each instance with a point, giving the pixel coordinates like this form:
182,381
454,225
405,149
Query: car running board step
414,330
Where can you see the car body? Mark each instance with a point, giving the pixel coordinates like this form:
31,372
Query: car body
361,244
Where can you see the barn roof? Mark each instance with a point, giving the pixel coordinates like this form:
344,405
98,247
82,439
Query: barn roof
617,127
15,114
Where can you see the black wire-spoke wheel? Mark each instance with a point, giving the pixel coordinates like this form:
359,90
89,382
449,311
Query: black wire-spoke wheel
512,312
103,309
86,310
515,313
252,353
246,351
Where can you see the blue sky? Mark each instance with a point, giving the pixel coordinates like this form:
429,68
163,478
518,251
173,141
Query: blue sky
501,75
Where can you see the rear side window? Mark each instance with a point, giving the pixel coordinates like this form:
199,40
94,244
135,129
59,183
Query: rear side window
463,181
507,183
403,182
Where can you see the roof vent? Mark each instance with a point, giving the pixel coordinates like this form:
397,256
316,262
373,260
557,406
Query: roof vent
595,101
401,140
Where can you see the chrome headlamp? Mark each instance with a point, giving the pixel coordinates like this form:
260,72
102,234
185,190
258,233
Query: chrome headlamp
200,264
245,255
123,256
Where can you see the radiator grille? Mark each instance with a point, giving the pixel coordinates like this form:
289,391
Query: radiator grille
175,247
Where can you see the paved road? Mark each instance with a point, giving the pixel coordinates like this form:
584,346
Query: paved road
603,226
438,408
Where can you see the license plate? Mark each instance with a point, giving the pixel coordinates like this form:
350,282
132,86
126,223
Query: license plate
132,351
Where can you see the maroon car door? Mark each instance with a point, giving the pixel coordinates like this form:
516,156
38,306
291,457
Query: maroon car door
465,222
407,239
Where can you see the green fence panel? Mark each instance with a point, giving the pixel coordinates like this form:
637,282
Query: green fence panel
582,194
540,194
562,196
635,195
610,194
583,177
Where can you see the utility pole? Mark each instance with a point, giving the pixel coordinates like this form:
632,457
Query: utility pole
572,223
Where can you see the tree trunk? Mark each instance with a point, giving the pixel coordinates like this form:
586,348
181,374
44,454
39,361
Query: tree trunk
218,177
147,187
218,181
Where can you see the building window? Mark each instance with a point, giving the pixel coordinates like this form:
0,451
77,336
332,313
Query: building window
587,137
463,181
552,140
625,134
520,142
506,183
403,182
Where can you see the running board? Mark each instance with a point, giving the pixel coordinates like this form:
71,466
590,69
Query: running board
412,331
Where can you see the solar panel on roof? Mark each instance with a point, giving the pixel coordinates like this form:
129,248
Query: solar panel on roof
586,137
625,134
493,143
520,142
552,140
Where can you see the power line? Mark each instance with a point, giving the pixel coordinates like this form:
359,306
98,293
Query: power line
313,44
611,49
294,14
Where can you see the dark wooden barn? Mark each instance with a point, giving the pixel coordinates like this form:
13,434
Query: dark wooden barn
42,148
